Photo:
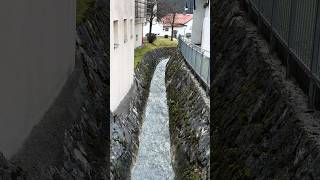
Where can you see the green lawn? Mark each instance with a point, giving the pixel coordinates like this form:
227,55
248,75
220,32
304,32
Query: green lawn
160,42
82,9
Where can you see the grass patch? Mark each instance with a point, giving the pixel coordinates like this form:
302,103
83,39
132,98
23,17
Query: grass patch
82,9
158,43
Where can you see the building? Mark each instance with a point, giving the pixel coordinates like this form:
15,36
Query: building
140,19
126,27
201,24
37,57
189,6
182,25
122,43
157,28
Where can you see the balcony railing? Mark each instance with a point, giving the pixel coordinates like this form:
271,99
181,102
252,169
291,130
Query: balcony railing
198,59
140,9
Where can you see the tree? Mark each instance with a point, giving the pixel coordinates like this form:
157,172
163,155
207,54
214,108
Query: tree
157,9
151,15
169,10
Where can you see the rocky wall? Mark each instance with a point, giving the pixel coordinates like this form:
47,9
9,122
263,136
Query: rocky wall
189,121
261,126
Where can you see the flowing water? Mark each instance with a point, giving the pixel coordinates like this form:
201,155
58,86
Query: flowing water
154,157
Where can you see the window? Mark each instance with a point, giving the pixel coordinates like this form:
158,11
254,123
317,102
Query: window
125,30
166,29
131,28
115,34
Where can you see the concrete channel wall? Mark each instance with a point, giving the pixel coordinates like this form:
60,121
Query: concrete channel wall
37,56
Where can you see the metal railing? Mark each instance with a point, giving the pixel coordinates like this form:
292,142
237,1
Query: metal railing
198,59
296,24
140,9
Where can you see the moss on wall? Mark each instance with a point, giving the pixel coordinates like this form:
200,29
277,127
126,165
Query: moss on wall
188,113
83,9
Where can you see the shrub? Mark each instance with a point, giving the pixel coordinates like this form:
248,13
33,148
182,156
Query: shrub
166,36
151,37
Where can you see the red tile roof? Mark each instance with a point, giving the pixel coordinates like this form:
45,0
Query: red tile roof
180,19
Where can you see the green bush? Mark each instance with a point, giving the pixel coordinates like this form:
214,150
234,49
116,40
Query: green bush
151,37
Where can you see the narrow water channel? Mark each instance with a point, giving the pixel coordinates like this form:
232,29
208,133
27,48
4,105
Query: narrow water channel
154,157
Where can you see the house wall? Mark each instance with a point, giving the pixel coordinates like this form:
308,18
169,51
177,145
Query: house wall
198,17
37,56
158,29
138,34
188,28
180,30
205,42
140,14
121,57
183,30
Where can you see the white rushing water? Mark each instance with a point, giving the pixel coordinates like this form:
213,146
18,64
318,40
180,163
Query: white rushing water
154,156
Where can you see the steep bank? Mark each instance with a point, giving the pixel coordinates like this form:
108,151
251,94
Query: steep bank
261,128
125,127
189,109
71,140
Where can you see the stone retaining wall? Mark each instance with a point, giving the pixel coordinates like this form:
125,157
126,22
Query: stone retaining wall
261,126
189,109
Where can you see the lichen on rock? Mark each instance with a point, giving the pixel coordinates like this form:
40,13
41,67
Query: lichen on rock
189,121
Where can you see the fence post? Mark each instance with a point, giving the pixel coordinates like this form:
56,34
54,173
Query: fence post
293,12
201,63
184,50
189,53
208,80
193,59
315,57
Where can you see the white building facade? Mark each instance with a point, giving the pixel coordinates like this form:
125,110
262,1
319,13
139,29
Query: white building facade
201,24
181,30
157,28
122,44
140,19
160,30
205,41
138,34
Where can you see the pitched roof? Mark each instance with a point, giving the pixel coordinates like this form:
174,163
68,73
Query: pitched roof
180,19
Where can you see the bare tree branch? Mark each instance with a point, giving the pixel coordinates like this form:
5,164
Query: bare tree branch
157,10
